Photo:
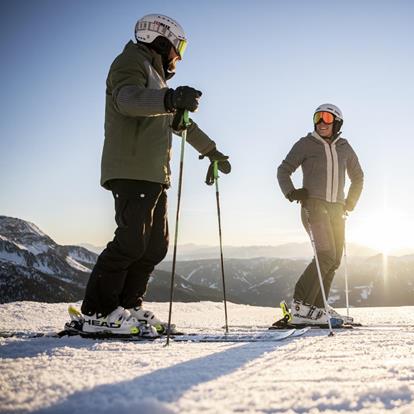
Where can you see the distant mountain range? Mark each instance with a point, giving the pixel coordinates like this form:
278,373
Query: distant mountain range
266,281
34,267
284,251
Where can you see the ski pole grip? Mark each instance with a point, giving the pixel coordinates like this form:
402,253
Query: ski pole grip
181,120
215,170
186,119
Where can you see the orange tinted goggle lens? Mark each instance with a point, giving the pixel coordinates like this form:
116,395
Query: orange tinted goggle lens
326,117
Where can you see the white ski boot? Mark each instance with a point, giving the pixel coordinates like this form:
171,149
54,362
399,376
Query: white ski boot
334,314
304,314
149,317
118,322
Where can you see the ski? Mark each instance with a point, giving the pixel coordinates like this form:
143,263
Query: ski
257,336
254,336
28,334
70,332
302,326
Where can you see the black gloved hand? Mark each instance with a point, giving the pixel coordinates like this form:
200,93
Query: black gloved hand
298,195
184,97
222,164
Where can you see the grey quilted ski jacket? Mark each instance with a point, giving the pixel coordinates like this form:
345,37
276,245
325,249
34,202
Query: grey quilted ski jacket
323,165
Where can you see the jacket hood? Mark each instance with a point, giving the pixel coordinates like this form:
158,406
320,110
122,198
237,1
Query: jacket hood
153,57
316,137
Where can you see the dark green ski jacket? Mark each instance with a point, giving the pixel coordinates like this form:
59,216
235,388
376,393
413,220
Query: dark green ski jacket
138,133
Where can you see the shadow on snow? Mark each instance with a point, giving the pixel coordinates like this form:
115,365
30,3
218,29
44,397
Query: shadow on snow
165,385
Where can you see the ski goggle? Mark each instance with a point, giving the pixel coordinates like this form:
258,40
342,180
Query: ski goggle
326,117
180,47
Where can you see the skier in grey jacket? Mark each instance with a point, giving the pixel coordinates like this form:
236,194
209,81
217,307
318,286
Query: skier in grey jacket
325,157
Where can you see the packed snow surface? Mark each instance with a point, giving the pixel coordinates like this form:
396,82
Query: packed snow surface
364,370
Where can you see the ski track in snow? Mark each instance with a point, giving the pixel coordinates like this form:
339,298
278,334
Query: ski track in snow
368,370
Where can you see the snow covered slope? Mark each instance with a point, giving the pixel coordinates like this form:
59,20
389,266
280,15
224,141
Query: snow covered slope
367,371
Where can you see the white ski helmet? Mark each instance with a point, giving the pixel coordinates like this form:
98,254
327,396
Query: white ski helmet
149,27
335,111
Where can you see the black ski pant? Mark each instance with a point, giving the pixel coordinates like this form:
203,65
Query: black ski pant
328,228
122,271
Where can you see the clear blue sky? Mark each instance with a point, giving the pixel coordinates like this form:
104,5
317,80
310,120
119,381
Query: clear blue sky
263,67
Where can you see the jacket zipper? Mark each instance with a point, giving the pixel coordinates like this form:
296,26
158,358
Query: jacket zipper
332,172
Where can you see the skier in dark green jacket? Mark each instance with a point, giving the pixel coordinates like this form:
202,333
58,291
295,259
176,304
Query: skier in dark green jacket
325,158
139,114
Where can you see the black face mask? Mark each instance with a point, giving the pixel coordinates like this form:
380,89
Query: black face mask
166,66
169,75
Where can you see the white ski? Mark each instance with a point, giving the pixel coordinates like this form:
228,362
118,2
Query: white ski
258,336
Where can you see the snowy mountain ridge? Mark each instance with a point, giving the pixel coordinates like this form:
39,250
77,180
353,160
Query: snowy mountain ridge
25,235
34,267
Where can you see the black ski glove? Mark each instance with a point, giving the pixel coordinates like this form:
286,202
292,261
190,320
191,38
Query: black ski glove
223,164
298,195
184,97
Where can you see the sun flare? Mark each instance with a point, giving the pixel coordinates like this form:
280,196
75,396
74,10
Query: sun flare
387,231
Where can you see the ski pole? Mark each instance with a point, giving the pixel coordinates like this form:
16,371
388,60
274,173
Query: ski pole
346,270
325,302
180,183
216,177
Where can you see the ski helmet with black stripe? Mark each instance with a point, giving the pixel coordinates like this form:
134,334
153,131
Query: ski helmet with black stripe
335,111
